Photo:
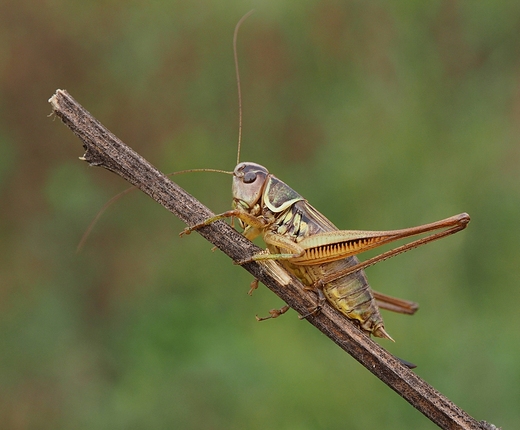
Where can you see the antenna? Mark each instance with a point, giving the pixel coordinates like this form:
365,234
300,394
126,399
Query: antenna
89,229
122,193
235,35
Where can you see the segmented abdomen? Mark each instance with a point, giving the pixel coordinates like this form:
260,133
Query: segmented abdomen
352,296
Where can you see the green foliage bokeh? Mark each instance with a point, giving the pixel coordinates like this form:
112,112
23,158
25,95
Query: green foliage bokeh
383,114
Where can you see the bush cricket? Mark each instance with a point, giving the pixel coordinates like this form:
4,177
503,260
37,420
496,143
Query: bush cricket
310,247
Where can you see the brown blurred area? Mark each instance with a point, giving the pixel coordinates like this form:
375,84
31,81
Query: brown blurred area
384,114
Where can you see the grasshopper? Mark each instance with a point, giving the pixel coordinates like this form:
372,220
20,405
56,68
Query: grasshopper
310,247
313,249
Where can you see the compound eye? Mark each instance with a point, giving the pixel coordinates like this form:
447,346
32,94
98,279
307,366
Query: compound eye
249,177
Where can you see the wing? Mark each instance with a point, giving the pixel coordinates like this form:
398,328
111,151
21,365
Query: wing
316,221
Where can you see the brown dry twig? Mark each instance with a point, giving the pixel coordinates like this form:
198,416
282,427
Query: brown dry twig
104,149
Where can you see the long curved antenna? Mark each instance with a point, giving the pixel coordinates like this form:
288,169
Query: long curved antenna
126,191
122,193
235,35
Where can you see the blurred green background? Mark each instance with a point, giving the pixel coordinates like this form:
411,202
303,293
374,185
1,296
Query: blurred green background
383,114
